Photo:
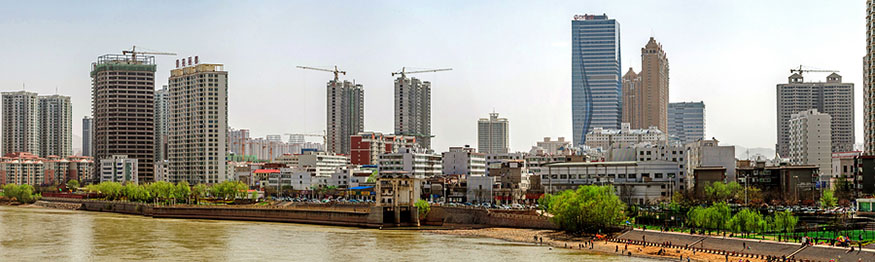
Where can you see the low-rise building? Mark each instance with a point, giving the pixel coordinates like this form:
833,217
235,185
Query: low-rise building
418,162
781,184
635,182
625,136
463,161
366,147
709,153
549,147
118,168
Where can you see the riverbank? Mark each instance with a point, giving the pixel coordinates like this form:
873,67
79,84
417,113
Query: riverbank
560,239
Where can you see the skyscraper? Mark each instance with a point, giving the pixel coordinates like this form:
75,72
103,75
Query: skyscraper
645,95
56,126
686,121
492,134
869,81
198,123
87,126
413,109
345,114
20,122
123,107
831,97
631,86
162,117
595,75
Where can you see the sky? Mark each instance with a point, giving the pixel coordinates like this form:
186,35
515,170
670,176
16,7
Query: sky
513,57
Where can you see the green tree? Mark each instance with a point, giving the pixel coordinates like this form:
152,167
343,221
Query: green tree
21,193
721,192
785,221
746,221
827,199
181,191
422,207
73,184
588,209
199,191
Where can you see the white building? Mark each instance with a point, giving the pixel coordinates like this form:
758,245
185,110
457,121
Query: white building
324,163
198,123
549,147
118,168
419,163
55,126
20,123
493,134
634,182
463,161
811,141
625,136
481,188
708,153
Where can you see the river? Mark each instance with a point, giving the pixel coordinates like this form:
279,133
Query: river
38,234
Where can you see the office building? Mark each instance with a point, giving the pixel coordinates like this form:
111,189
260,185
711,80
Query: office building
162,122
123,98
21,123
686,121
413,109
366,147
595,75
810,141
119,168
56,126
832,97
345,114
606,138
463,161
645,95
197,141
87,127
492,134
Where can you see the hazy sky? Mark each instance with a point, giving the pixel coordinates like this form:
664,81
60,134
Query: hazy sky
513,57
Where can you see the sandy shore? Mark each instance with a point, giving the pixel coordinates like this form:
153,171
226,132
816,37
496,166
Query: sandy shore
562,240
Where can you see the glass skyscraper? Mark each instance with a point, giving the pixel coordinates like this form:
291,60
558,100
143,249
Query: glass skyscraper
686,121
595,74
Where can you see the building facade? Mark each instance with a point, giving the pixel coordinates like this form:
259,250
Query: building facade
645,95
55,125
607,138
413,109
595,75
810,141
122,104
345,115
634,182
87,127
414,162
197,139
708,153
832,97
463,161
21,124
869,81
118,168
493,134
686,121
162,123
366,147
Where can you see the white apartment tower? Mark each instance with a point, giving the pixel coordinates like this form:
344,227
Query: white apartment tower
810,141
162,119
345,114
56,126
20,122
198,123
492,134
413,109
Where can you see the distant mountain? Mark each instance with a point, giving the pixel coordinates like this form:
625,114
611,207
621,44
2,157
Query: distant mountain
744,153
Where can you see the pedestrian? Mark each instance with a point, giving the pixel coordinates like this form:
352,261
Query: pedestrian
542,240
743,245
536,238
617,249
626,247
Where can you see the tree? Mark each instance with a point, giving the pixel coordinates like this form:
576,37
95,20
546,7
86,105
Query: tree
199,191
827,199
373,177
181,191
721,192
422,207
588,209
73,184
746,221
21,193
785,221
843,189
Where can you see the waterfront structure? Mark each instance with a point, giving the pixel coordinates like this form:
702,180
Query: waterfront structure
413,109
366,147
198,123
810,141
20,122
645,95
686,121
463,161
832,97
625,136
595,75
87,127
122,104
493,134
55,126
634,182
416,162
162,124
345,114
708,153
119,168
869,81
549,147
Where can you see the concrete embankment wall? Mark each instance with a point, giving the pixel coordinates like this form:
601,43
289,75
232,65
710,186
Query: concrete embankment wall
484,218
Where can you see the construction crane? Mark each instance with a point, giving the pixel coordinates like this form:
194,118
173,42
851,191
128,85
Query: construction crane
404,72
336,71
134,53
800,70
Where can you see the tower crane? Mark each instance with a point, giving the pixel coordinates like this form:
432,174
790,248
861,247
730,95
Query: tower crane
336,71
404,71
134,53
800,70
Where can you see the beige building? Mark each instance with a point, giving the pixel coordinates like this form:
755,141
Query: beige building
198,123
56,126
345,115
20,122
645,95
623,137
810,141
869,81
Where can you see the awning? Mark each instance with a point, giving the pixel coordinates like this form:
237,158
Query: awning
266,171
360,187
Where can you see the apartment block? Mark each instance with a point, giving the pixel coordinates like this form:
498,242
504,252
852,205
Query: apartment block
345,114
119,168
811,141
625,136
832,97
463,161
413,109
21,124
493,134
56,126
366,147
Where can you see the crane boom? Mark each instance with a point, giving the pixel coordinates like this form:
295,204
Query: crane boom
404,72
800,70
335,71
134,53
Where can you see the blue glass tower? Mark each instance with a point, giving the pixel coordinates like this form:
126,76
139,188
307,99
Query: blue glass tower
596,89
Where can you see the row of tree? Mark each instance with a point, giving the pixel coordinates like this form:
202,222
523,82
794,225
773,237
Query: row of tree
21,193
590,209
168,193
718,217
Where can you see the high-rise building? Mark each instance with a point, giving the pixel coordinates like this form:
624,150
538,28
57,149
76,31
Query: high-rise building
595,75
87,127
123,107
831,97
631,88
413,109
645,95
810,141
20,122
56,126
197,142
162,122
492,134
686,121
869,81
345,114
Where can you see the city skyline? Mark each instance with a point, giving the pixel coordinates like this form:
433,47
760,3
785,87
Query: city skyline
726,44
